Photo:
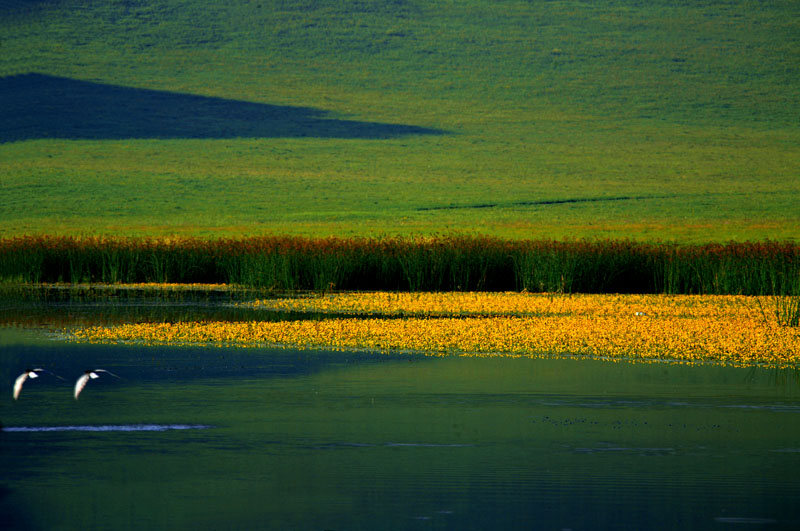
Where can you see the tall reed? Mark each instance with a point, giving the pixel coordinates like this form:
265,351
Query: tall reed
440,263
787,302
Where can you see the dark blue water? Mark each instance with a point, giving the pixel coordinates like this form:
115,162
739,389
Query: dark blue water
207,438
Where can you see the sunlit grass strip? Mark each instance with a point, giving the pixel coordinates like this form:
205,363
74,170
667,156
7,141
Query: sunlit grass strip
149,286
700,329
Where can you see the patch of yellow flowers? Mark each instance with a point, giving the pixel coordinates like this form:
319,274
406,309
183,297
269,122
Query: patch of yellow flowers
726,329
514,304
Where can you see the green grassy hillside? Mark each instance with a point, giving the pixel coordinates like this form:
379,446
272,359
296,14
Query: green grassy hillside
648,120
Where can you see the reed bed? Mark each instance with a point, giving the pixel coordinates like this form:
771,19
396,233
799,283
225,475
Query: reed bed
719,329
443,263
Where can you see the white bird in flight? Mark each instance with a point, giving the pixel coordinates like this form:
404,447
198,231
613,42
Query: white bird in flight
22,378
89,375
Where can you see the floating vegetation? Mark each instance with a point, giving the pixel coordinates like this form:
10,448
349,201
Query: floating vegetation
100,290
729,330
141,286
453,304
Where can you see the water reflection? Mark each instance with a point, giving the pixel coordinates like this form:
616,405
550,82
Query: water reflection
209,438
64,307
313,440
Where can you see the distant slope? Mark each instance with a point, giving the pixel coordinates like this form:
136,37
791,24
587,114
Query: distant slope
562,118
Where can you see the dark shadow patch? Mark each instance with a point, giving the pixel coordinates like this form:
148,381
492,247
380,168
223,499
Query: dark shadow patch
547,202
40,106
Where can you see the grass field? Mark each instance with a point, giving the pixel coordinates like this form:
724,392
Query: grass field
616,119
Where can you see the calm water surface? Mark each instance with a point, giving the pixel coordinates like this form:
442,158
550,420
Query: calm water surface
210,438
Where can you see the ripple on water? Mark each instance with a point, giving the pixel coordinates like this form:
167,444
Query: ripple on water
744,520
107,428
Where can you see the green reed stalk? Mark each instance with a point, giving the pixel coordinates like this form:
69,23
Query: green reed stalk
787,310
787,304
443,263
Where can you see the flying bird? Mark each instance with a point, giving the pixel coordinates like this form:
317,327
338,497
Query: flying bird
22,378
89,375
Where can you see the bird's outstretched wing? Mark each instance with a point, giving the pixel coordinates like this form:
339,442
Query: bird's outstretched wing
18,384
22,378
85,377
51,373
81,383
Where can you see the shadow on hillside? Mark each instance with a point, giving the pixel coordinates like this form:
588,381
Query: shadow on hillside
40,106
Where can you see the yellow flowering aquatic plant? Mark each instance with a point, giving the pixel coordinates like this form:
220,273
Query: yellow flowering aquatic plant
722,329
513,304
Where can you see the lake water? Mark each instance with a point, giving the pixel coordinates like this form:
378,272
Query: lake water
224,438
